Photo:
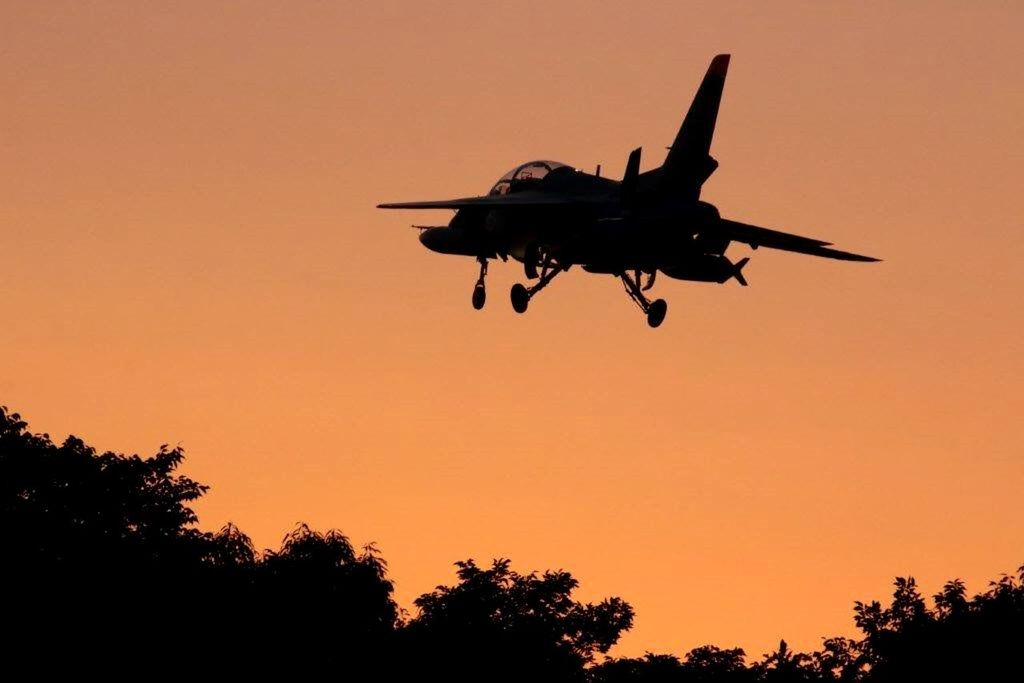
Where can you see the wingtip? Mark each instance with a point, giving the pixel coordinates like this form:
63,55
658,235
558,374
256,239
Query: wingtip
720,65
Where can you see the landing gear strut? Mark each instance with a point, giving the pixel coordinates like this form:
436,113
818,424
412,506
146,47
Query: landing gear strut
656,309
479,291
521,294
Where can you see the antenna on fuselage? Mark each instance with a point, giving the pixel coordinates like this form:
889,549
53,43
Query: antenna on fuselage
598,171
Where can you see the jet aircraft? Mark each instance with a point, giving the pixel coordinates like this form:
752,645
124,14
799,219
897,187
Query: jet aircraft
550,217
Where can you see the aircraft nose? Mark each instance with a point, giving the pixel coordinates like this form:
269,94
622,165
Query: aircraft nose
430,238
447,241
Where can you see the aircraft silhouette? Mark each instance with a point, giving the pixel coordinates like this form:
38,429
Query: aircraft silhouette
550,217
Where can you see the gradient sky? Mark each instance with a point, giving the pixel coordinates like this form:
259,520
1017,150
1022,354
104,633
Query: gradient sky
189,253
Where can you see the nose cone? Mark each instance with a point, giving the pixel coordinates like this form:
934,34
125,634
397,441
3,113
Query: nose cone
449,241
433,238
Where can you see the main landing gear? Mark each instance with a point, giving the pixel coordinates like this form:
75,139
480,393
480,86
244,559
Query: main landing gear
656,309
479,291
521,294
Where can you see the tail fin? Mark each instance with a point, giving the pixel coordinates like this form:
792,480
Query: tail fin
689,162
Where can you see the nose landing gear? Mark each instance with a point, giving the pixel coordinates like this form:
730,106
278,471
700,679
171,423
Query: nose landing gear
479,291
655,310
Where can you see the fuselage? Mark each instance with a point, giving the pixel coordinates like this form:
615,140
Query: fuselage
610,236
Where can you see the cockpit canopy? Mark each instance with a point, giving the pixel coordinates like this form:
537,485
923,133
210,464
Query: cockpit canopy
524,176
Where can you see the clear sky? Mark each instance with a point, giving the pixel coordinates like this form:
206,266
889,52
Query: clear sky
190,253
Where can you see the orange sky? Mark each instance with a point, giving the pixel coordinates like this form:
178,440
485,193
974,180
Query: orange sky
190,254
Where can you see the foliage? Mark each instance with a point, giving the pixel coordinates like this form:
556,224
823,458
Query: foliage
103,565
497,624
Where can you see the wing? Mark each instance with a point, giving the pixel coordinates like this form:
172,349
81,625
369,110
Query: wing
518,199
773,239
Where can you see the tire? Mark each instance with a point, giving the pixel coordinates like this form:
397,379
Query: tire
520,298
656,312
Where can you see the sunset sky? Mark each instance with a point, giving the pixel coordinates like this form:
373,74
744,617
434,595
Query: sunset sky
190,254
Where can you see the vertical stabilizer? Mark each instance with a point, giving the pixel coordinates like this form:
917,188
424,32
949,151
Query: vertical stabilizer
689,162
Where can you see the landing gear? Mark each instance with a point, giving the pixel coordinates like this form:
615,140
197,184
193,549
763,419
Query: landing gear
531,258
479,291
520,298
521,294
656,312
656,309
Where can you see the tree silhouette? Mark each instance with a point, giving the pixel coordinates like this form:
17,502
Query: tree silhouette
710,663
705,664
327,592
785,666
104,569
497,624
102,552
650,668
973,640
839,660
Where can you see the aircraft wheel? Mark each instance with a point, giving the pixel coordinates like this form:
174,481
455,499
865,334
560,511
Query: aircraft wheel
520,298
656,312
479,297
